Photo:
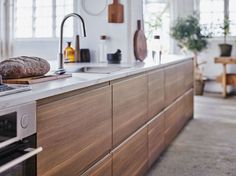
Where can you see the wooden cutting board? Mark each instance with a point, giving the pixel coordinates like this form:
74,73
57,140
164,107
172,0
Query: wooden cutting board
116,12
34,80
140,43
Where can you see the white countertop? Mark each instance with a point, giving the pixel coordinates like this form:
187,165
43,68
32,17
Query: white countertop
82,80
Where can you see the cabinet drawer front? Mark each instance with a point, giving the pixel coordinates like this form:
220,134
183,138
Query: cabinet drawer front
180,76
189,75
129,107
130,159
171,82
175,119
170,116
102,168
74,132
156,93
170,135
189,98
155,138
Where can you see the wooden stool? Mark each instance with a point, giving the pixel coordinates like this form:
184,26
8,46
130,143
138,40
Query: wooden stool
226,78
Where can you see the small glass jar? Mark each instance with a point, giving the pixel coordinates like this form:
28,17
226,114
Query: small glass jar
69,53
102,58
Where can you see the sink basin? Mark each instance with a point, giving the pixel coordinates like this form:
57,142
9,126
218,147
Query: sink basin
100,69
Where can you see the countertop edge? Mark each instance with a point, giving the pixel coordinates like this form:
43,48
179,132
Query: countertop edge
34,94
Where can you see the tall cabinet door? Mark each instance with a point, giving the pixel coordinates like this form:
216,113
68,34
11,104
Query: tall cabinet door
131,158
156,93
74,132
129,107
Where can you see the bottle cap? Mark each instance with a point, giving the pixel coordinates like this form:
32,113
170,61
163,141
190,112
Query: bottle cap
103,37
156,37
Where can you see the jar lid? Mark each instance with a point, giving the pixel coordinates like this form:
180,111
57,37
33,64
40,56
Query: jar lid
103,37
156,37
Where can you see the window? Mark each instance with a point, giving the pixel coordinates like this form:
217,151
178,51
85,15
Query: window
212,17
157,22
42,18
232,17
213,13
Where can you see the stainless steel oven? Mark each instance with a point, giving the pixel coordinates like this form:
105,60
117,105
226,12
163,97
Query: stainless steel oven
18,141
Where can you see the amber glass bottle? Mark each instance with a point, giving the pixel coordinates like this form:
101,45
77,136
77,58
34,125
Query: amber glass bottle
69,53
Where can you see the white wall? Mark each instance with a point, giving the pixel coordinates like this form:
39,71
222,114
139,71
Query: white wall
47,49
120,35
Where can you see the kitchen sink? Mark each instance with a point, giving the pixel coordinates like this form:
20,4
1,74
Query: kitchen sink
99,69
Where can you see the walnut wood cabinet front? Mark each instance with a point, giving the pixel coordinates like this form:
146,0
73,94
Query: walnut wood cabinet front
189,75
156,145
189,98
156,93
129,107
131,158
74,132
171,83
102,168
118,129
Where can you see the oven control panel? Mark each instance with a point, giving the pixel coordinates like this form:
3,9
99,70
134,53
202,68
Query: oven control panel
17,123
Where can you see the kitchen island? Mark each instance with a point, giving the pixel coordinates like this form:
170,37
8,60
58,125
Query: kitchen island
110,124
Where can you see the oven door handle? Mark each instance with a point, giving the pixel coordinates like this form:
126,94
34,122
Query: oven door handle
31,152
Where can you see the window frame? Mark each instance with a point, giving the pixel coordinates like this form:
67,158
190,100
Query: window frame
226,15
43,39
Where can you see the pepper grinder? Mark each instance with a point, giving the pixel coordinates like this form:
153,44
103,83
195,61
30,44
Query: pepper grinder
77,49
1,82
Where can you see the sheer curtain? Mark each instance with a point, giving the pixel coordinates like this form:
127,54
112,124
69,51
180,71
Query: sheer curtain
6,28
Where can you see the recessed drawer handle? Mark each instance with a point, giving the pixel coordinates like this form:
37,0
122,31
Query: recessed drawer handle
31,152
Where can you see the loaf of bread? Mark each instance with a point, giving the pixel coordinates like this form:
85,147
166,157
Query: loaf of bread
23,67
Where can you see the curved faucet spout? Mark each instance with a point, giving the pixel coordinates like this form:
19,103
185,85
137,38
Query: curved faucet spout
61,69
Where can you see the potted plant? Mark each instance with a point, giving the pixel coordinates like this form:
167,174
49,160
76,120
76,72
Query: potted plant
192,37
225,49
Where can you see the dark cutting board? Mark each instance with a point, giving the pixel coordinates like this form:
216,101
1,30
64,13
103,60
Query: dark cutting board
34,80
140,43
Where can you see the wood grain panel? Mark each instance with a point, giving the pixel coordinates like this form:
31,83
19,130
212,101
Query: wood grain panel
189,98
170,116
129,107
156,93
189,75
102,168
155,138
174,120
170,85
74,132
180,86
180,113
131,158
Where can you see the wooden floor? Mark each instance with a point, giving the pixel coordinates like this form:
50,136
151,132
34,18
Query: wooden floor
207,146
